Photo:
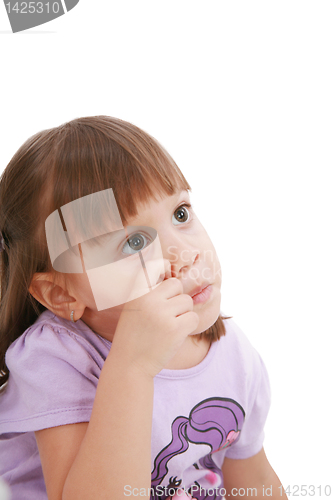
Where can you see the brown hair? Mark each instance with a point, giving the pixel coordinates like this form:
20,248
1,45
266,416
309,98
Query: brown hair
57,166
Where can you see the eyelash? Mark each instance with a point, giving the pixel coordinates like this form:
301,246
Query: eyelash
187,205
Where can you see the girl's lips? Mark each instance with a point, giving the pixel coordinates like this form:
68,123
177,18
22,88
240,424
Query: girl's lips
202,296
198,289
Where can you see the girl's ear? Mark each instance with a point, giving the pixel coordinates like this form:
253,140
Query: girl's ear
54,296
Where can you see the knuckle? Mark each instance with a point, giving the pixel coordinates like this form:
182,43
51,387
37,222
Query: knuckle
194,317
188,301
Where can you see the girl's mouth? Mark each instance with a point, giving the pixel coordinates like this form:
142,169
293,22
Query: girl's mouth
202,296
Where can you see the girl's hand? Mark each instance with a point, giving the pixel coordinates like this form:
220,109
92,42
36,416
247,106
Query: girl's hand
152,328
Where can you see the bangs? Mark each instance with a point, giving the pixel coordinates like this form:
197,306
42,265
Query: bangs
97,153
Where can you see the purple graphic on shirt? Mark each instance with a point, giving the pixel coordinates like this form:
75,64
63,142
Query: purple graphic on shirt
216,422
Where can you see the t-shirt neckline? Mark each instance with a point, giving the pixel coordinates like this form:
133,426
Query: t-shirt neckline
194,370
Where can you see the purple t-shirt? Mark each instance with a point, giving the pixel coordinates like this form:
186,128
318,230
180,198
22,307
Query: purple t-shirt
200,415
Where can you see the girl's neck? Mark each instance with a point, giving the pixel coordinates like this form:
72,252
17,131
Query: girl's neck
103,324
190,354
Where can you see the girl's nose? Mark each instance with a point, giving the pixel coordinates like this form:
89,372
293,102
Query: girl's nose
185,259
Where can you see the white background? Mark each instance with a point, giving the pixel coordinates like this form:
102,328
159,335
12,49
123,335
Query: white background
240,93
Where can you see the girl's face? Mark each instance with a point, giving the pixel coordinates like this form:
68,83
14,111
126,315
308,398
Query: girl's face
184,243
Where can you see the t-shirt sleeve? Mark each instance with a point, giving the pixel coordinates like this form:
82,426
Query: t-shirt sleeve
252,434
53,379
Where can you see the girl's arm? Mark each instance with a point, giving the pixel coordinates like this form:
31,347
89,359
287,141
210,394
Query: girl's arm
112,452
251,478
97,460
116,449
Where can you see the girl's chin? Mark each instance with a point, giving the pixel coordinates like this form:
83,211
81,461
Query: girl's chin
207,320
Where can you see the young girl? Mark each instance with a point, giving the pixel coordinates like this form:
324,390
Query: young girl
151,395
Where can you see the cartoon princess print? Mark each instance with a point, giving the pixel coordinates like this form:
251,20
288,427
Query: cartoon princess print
216,422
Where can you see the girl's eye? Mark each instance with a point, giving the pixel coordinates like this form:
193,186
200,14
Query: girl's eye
135,243
181,215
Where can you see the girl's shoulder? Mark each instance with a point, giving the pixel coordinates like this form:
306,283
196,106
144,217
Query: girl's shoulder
52,339
239,356
235,340
54,368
